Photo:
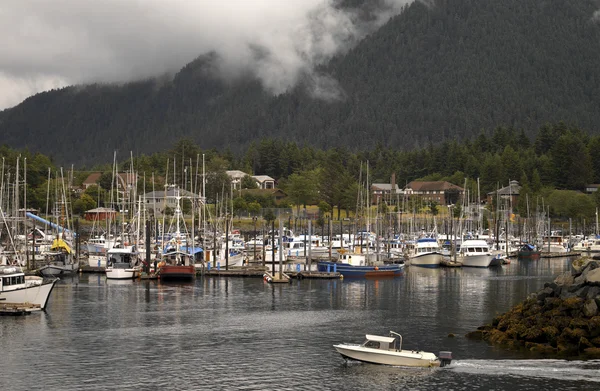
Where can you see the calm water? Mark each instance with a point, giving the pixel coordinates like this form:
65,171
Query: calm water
234,333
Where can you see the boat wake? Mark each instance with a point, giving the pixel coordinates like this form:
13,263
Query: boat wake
547,369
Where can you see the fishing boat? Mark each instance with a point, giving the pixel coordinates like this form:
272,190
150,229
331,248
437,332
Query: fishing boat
358,266
17,288
122,263
554,244
59,260
427,253
388,351
178,263
475,253
528,251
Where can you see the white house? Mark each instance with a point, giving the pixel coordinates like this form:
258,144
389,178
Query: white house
262,181
164,199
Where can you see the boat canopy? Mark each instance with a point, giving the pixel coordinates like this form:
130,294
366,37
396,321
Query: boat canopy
182,250
191,250
427,240
528,246
60,244
378,338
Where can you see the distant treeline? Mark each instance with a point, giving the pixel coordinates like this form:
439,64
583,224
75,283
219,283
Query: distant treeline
553,169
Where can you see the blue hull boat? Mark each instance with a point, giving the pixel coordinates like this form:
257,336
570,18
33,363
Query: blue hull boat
347,270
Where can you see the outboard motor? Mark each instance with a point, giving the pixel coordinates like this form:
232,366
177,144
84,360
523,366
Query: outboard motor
445,358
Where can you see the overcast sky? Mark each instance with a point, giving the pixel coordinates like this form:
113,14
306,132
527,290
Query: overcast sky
54,43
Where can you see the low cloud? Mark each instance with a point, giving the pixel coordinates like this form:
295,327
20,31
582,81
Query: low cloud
50,44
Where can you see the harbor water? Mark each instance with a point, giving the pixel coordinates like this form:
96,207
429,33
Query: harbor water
223,333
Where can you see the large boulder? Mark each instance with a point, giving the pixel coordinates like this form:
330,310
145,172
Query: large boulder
579,264
590,308
592,276
564,279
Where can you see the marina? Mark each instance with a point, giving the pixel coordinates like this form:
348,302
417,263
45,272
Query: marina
177,327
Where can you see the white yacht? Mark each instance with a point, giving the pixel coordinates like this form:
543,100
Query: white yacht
388,351
123,264
427,253
553,244
475,253
590,244
17,288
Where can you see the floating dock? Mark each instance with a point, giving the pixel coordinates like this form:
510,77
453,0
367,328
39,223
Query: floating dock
559,255
277,278
314,275
91,269
233,272
450,263
18,309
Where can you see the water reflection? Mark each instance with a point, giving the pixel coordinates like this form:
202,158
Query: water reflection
243,333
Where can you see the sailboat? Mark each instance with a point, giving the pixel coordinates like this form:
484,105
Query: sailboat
60,259
179,258
358,264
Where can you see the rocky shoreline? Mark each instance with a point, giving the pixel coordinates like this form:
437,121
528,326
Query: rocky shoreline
560,320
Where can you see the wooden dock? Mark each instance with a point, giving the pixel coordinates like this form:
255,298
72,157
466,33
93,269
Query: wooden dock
237,272
314,275
277,278
18,309
450,263
559,255
91,269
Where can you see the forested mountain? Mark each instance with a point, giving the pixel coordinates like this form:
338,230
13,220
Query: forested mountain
439,70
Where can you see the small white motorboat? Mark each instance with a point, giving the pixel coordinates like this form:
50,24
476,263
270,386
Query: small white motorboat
388,351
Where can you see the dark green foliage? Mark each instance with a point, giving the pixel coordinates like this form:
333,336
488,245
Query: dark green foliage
85,202
248,183
332,176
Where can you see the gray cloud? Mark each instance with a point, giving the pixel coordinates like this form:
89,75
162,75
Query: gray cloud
50,44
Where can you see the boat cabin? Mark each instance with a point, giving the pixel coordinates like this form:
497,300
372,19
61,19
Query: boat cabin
120,258
11,279
474,247
381,343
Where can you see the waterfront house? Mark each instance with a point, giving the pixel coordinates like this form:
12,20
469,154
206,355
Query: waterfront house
386,192
509,193
262,181
162,200
100,214
441,192
236,176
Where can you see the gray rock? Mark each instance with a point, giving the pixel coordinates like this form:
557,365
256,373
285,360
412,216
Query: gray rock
593,292
575,287
579,264
564,279
580,279
546,292
592,276
590,308
582,292
567,294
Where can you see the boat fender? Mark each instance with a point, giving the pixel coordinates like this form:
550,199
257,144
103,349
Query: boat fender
376,268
